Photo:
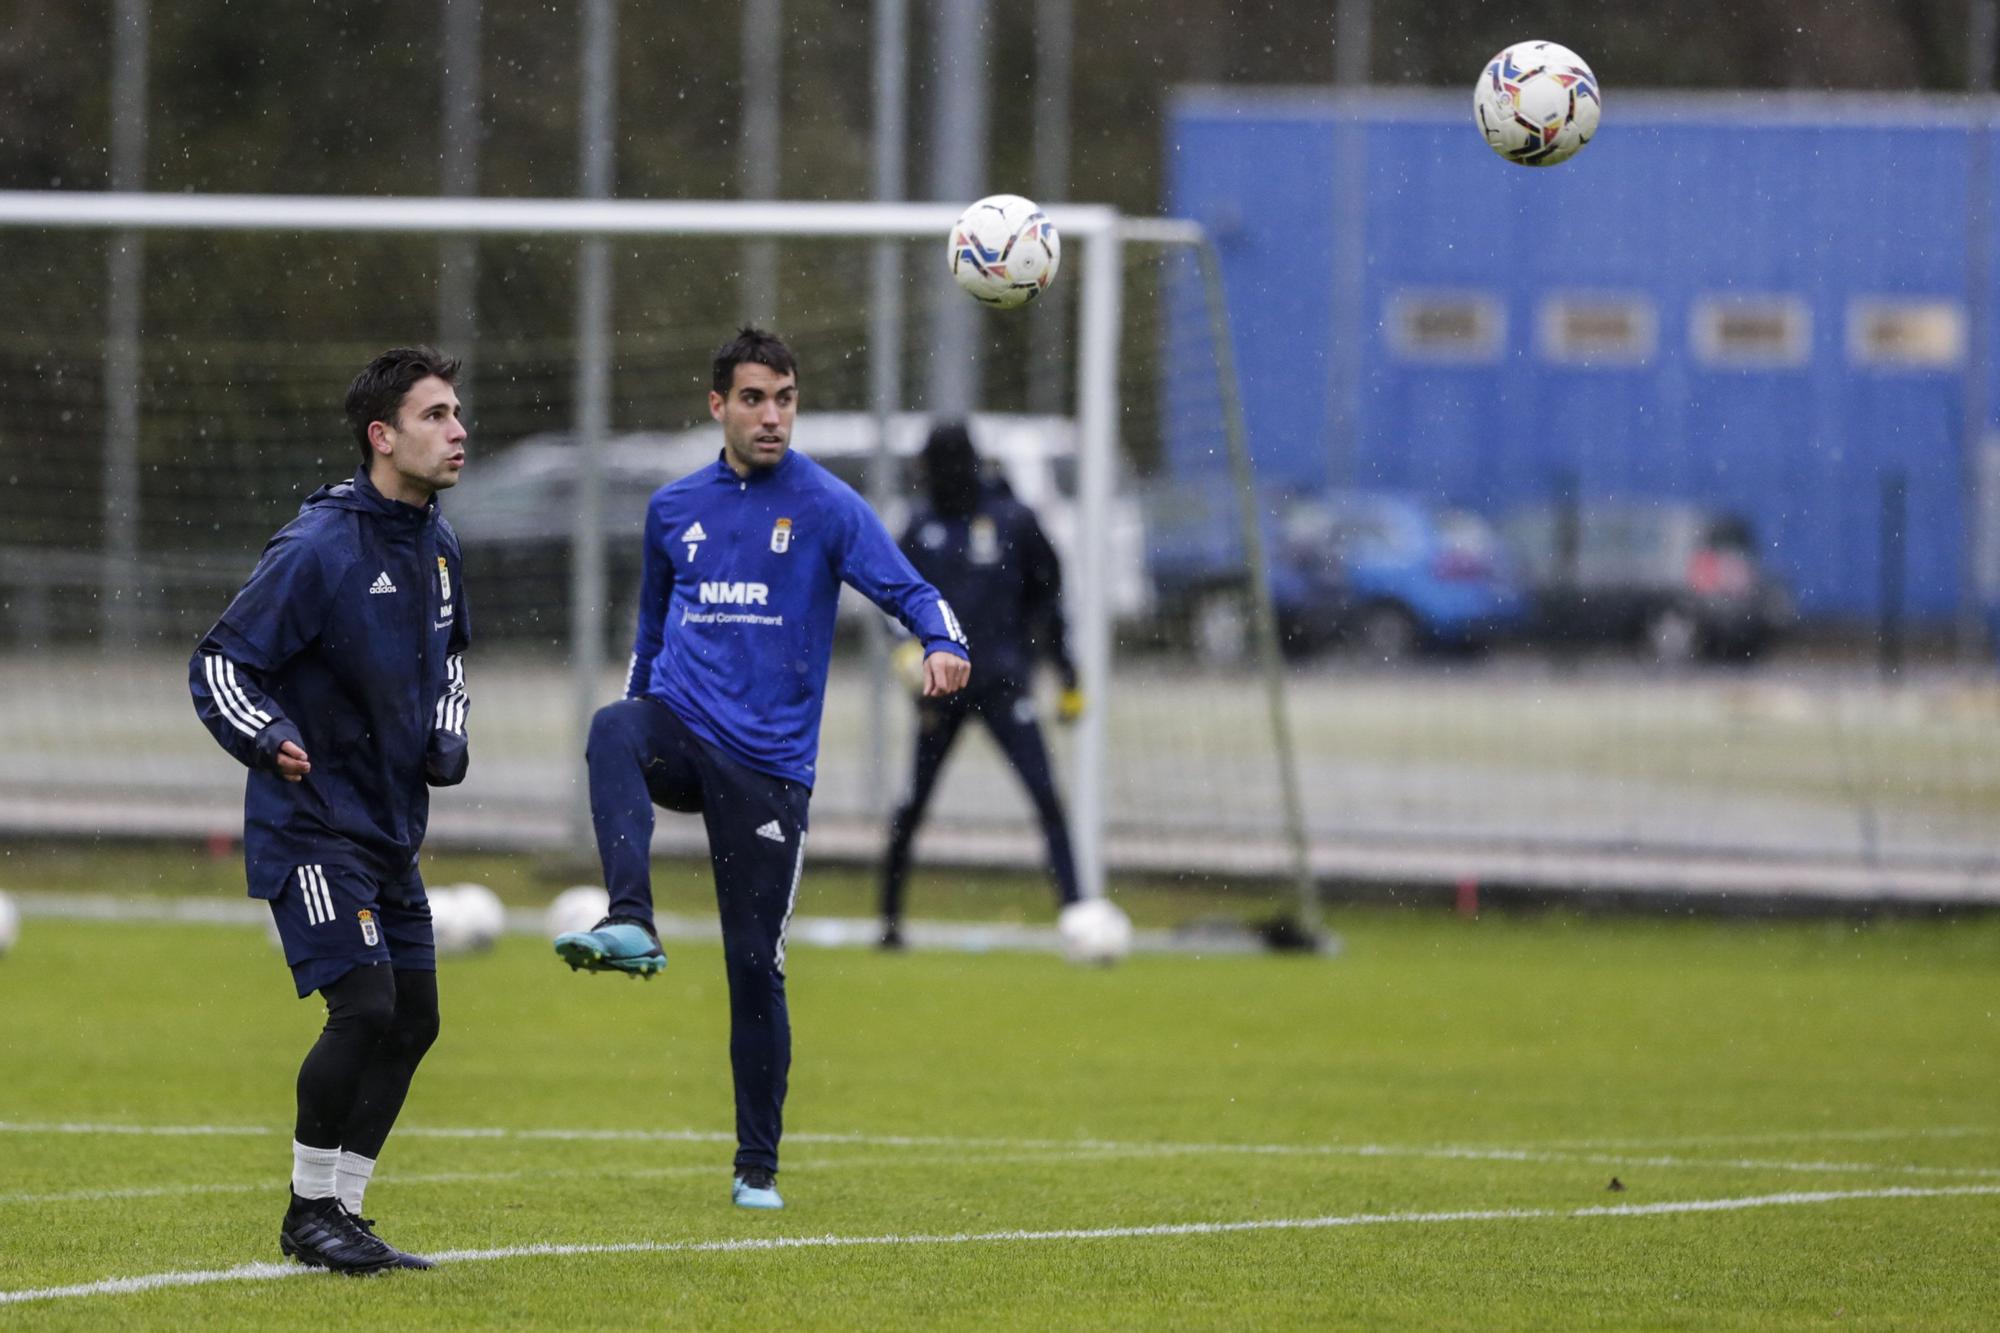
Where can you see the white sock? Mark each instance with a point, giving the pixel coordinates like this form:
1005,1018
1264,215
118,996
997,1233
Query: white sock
312,1171
350,1178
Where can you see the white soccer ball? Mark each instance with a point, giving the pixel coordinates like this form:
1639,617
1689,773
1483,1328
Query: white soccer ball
10,922
577,908
1537,103
1094,930
1004,250
482,915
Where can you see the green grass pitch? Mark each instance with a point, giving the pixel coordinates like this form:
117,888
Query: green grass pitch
1420,1133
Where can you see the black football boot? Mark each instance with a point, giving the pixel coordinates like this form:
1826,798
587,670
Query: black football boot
319,1233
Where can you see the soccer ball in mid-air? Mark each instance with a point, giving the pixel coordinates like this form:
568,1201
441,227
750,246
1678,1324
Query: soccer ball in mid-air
1537,103
1004,250
1094,930
10,922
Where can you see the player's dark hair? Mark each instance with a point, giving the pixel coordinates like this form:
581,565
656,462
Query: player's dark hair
951,470
378,391
755,346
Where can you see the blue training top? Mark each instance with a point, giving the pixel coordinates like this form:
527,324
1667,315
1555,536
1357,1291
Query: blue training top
737,598
347,641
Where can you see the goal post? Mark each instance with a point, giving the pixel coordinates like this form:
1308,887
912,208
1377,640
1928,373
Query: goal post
1101,245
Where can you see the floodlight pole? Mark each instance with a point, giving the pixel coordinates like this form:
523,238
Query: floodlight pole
592,405
1055,41
458,256
885,347
959,89
124,304
763,43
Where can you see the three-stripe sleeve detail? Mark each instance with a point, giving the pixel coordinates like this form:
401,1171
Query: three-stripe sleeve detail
230,698
951,625
315,894
452,704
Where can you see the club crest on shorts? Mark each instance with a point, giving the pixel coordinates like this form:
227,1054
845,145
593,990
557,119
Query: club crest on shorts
369,935
781,536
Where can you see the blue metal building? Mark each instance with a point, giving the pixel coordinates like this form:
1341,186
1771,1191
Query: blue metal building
1756,302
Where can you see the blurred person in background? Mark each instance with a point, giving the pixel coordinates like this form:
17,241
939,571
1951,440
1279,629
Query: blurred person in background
986,552
336,677
743,563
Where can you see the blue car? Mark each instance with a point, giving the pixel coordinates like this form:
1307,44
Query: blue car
1383,573
1415,575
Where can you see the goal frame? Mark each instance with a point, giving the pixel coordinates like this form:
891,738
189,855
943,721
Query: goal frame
1098,232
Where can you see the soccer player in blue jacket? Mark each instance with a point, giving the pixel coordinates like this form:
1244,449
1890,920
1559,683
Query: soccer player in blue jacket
742,569
985,550
335,676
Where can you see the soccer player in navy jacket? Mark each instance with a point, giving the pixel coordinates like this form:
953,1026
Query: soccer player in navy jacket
335,676
985,550
742,569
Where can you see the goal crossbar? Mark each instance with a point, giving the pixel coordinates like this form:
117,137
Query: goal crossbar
144,211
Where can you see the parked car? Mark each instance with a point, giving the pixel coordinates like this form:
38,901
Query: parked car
514,511
1676,581
1384,573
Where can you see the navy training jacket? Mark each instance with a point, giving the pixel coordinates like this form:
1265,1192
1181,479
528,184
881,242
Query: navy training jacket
997,567
347,640
736,604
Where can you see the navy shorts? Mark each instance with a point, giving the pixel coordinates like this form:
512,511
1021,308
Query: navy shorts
335,918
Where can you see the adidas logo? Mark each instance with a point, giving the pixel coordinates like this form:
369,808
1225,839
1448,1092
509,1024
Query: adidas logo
694,533
772,831
381,583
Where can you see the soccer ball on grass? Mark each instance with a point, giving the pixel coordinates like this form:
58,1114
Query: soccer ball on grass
1094,930
482,915
1004,251
1537,103
451,929
577,908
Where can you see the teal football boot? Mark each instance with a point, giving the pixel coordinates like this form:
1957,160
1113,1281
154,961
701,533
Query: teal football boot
615,944
756,1188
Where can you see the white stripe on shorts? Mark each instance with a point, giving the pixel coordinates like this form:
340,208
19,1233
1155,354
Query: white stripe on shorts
785,927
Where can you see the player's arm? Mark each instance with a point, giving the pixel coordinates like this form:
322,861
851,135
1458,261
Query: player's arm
447,756
906,658
1041,573
656,586
869,560
1041,598
275,616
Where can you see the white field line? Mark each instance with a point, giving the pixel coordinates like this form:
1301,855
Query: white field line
267,1272
1889,1133
1440,1152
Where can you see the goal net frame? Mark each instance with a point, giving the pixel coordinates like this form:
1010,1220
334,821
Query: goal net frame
1097,236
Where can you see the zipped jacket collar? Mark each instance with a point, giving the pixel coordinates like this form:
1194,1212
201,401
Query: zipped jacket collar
758,476
359,493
